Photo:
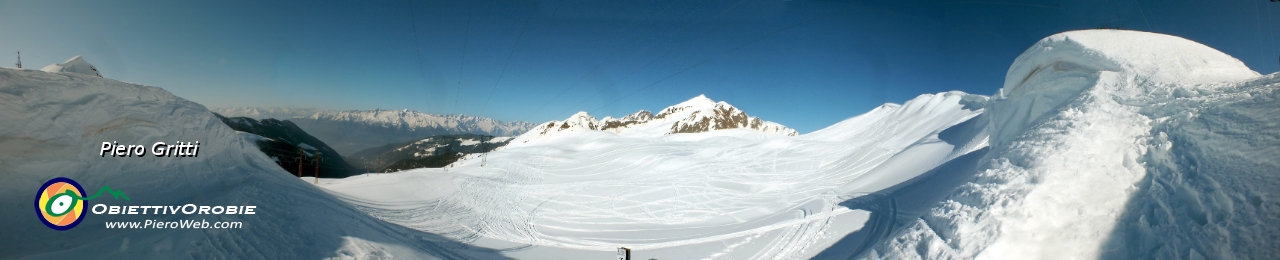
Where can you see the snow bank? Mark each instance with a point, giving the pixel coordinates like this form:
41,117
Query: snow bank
1059,68
74,65
55,125
1116,144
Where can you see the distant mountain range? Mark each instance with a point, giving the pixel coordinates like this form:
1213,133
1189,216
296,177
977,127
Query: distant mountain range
260,113
354,130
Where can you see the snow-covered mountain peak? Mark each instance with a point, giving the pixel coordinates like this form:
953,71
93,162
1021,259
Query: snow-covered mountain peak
641,115
696,115
696,103
582,119
74,65
581,114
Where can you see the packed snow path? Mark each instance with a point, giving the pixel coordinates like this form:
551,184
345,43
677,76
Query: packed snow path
1119,145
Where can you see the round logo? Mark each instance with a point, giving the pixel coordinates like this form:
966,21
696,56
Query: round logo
59,203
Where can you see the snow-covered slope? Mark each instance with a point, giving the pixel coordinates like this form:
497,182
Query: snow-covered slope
74,65
732,193
54,125
697,115
1117,144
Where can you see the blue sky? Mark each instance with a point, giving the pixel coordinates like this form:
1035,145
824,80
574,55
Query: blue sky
805,64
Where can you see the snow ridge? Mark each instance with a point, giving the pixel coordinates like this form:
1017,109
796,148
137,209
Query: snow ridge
74,65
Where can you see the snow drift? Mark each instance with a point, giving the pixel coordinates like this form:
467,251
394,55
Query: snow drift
54,125
1116,144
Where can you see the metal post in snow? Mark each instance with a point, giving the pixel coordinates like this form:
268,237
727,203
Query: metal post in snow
317,175
300,162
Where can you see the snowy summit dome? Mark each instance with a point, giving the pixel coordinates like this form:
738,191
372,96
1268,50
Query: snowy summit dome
74,65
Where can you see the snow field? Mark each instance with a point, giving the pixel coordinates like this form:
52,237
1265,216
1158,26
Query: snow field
726,193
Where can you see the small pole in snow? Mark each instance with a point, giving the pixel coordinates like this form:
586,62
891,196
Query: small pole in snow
19,60
317,175
299,162
483,147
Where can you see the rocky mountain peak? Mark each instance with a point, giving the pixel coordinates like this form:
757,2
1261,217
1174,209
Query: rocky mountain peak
696,115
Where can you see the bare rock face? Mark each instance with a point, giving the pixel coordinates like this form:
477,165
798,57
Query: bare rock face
643,116
579,121
697,115
723,116
703,116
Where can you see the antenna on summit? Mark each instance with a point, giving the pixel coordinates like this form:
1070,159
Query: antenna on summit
19,60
